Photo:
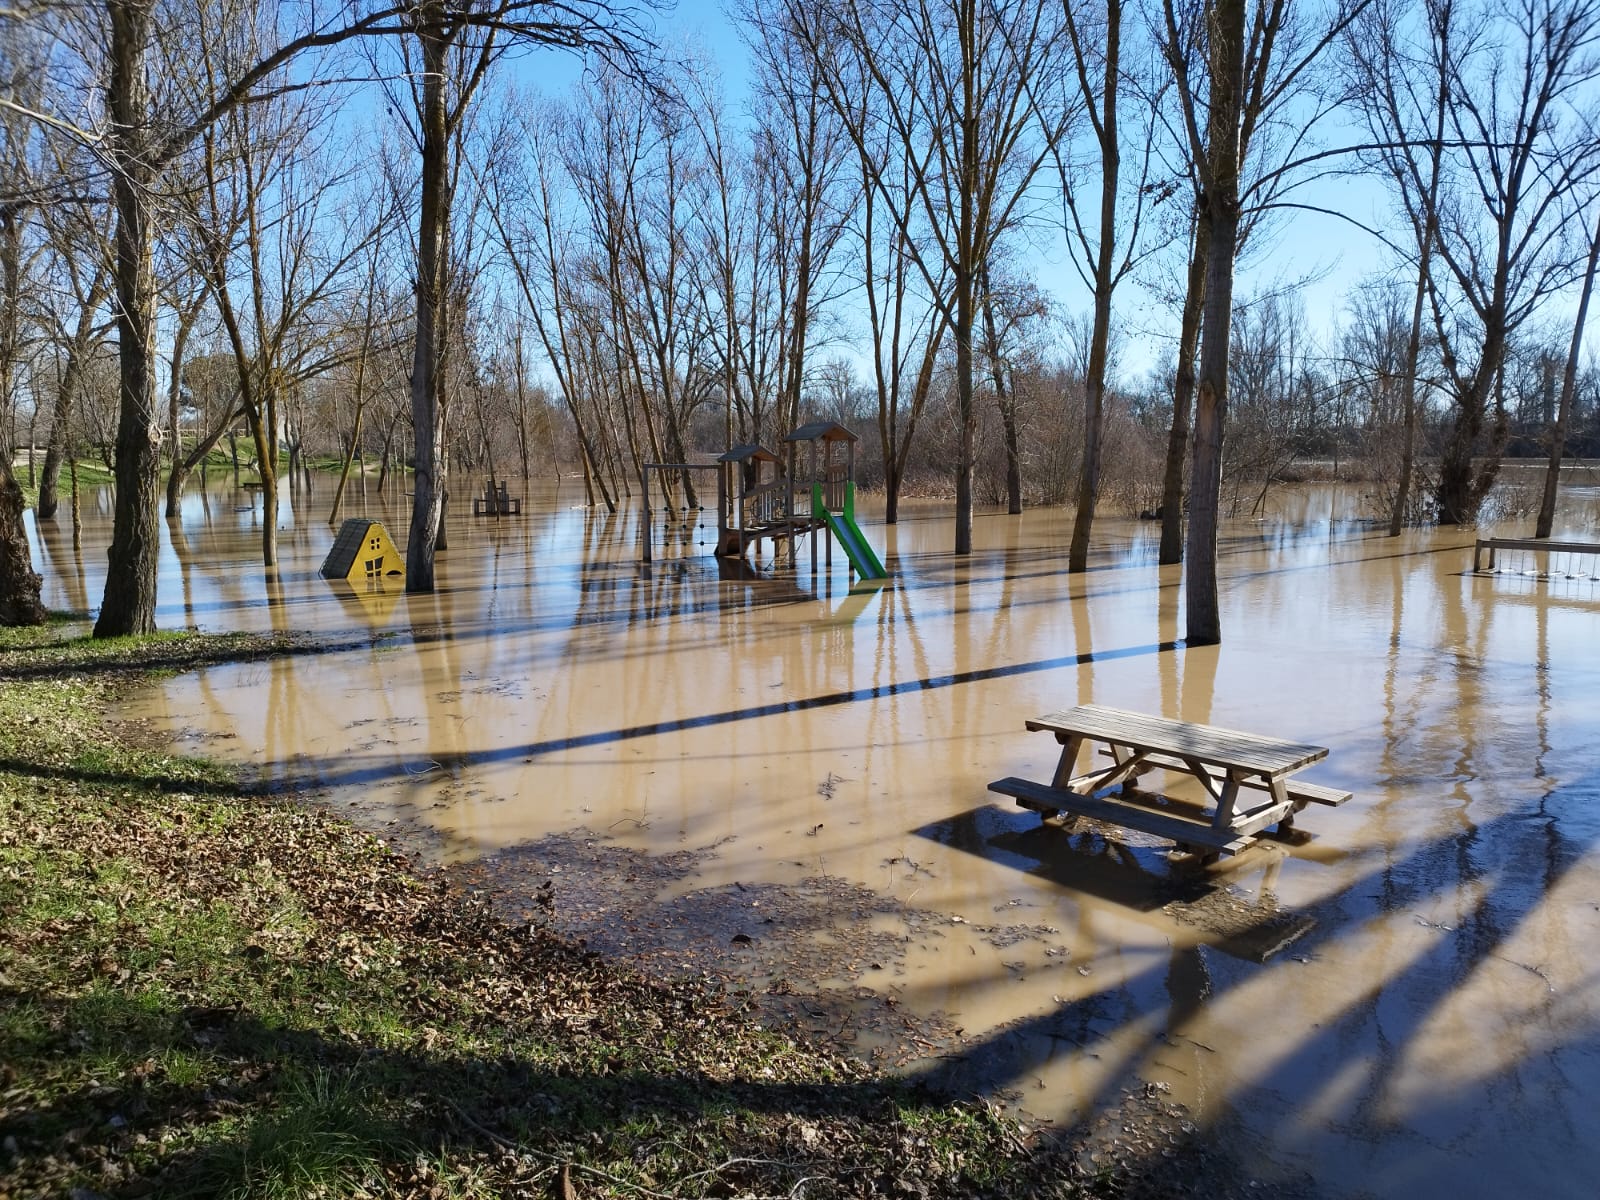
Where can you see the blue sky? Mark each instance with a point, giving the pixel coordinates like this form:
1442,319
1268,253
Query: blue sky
1323,258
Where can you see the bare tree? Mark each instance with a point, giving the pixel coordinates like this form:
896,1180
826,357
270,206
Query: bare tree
1104,252
19,583
805,149
1251,102
1569,387
1485,118
1183,381
958,85
529,206
146,129
456,47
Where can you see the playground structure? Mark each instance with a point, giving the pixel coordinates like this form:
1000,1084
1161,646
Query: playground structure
763,496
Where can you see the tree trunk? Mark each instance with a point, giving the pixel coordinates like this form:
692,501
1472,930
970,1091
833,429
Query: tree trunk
965,277
427,409
129,606
1460,491
350,454
1183,399
1104,280
1569,387
1221,213
1005,400
1408,400
1430,219
968,416
19,582
181,464
267,468
60,431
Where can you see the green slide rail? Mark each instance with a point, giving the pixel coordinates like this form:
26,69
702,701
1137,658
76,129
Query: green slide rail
845,531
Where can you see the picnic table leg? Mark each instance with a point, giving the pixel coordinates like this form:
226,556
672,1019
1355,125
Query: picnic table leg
1070,745
1280,796
1226,800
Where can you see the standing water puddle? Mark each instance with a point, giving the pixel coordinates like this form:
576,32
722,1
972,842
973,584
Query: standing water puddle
784,782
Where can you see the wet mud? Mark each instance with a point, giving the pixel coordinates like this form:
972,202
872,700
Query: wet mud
778,781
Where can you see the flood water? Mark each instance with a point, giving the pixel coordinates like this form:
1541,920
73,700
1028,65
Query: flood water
1400,1002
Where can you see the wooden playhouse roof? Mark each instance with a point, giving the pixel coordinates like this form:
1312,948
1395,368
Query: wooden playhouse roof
748,451
827,431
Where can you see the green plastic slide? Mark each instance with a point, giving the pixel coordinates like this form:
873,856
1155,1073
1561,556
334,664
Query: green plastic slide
845,531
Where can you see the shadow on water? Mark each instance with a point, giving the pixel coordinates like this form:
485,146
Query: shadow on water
347,771
1352,1059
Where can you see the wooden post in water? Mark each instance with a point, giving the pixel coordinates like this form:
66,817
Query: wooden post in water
644,524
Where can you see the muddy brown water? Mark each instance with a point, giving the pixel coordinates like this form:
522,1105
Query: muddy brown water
783,780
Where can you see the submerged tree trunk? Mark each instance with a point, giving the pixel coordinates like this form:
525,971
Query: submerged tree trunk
1221,213
1005,401
1430,217
1408,403
129,606
66,399
267,468
427,408
968,416
19,582
1569,386
181,463
1183,400
1462,482
1104,282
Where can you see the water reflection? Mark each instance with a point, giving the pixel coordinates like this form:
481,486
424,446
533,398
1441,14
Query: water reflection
1398,994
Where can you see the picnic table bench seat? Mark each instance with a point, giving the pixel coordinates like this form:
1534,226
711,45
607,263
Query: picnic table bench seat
1299,789
1049,802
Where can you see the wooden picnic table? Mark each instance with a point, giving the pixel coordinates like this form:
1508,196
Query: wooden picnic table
1248,778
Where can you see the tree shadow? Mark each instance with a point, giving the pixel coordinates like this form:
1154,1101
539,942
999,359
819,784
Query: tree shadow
1516,1109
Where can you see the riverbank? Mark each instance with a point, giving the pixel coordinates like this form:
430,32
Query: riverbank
205,991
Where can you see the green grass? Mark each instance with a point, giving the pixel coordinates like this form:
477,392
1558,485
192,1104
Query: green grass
322,1138
92,473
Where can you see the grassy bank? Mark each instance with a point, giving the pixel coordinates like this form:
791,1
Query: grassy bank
92,473
205,992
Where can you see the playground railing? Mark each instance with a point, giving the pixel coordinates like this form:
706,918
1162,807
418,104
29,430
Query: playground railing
766,505
834,487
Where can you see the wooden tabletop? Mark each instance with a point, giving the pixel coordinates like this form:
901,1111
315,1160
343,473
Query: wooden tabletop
1210,744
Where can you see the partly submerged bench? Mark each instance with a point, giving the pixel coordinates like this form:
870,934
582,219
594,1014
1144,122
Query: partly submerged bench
1493,544
496,502
1249,778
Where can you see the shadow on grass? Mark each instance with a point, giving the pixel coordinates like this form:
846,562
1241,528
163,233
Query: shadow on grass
286,1110
158,778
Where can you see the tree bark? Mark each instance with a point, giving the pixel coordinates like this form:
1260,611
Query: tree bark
1569,387
1104,283
19,582
129,605
1005,400
1220,211
427,409
965,275
1183,399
